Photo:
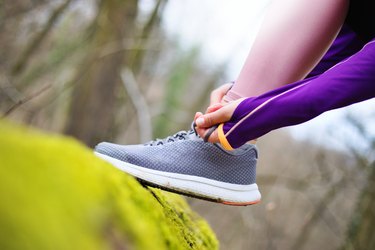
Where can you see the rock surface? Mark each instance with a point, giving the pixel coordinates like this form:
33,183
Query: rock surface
55,194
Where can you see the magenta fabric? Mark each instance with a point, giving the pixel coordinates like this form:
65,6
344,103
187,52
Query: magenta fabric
346,44
349,81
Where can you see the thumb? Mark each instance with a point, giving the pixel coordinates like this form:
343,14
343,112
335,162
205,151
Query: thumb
219,116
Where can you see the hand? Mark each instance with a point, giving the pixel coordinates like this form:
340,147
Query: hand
216,99
217,114
218,94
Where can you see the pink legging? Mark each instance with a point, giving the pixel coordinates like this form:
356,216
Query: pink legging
293,38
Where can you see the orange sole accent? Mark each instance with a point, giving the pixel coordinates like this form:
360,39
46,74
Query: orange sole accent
220,201
240,203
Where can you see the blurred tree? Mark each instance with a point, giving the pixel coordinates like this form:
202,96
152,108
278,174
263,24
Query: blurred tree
361,233
33,45
138,53
93,99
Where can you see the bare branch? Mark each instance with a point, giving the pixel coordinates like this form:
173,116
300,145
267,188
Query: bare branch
38,38
25,100
140,104
137,56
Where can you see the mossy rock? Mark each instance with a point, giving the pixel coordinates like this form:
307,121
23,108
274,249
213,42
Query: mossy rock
55,194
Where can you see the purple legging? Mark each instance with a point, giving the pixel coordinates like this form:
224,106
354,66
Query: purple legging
345,75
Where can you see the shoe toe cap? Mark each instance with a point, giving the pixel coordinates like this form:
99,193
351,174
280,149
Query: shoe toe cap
111,149
121,152
104,147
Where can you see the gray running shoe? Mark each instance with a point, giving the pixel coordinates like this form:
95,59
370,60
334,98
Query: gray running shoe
185,164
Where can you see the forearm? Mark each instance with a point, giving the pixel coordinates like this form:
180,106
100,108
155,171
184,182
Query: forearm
348,82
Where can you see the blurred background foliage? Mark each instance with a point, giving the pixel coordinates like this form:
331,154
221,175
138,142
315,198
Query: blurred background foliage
107,70
90,68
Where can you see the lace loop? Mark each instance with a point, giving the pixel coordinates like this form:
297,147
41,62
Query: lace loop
181,135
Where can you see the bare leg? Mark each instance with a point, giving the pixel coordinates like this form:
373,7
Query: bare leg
294,36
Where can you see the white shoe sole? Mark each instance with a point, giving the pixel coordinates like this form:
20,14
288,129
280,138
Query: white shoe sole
200,187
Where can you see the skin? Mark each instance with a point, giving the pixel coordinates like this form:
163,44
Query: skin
272,63
215,114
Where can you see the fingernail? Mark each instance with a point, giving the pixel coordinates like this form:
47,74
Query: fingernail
199,121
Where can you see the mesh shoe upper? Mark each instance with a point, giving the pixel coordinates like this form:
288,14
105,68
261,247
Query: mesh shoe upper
189,155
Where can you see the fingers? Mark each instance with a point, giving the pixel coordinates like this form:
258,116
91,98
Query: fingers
202,132
216,117
197,115
214,107
215,114
214,137
218,94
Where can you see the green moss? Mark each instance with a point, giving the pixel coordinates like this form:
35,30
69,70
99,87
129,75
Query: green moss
55,194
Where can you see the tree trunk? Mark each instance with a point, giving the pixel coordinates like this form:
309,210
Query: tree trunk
93,100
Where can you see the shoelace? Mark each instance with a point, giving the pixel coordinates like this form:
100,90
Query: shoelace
181,135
